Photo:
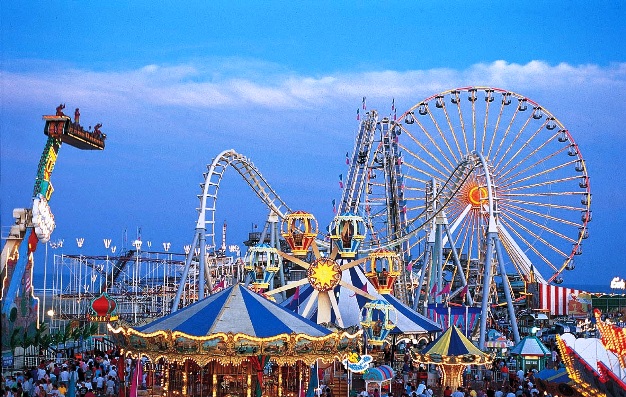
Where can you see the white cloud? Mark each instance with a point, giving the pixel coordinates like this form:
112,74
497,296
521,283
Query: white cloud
228,85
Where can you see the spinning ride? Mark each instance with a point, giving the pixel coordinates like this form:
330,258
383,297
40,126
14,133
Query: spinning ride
323,273
19,306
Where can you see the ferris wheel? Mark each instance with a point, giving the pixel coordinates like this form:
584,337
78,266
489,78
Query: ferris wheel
531,182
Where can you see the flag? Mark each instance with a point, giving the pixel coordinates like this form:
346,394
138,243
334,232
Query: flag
445,289
463,292
433,290
340,181
358,115
364,107
395,115
393,104
296,295
334,207
347,159
219,286
399,160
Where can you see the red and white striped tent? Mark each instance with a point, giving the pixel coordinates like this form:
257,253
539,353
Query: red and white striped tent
562,301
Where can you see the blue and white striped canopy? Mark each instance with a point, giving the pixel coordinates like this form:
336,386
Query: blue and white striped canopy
238,310
350,305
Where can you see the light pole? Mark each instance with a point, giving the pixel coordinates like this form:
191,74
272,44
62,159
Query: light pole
107,244
166,271
137,244
54,245
79,242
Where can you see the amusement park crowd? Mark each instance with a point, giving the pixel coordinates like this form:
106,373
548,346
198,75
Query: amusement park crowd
94,374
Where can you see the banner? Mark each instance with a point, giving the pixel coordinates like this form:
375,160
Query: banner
562,301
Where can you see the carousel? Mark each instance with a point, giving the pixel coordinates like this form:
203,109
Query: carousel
452,352
233,343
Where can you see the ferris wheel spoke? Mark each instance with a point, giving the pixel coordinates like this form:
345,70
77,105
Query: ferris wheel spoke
532,247
537,175
535,235
540,148
524,146
541,226
472,98
431,139
506,132
444,108
502,176
497,125
545,205
488,100
457,101
411,178
513,142
541,215
545,194
454,160
546,183
424,172
442,168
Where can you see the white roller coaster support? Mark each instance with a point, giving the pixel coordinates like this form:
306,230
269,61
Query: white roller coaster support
205,226
492,245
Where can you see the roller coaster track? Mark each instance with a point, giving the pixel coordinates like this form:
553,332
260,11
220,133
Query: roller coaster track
250,174
118,268
357,175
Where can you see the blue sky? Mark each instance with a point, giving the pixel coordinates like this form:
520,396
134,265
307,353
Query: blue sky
176,83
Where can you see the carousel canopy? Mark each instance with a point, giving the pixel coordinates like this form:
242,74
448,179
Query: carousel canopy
530,346
237,310
452,343
410,321
378,374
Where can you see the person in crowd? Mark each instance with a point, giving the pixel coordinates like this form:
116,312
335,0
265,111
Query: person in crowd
110,387
458,392
62,388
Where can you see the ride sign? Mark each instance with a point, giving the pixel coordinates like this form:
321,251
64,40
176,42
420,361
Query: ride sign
354,362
